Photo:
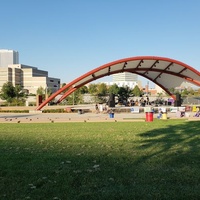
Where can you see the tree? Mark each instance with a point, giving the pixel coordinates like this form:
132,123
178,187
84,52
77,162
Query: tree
92,89
8,92
40,91
198,92
137,92
12,94
65,89
113,89
99,91
19,92
75,98
184,92
191,92
124,93
83,89
102,92
160,94
102,89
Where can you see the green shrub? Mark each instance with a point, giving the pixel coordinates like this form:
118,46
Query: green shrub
60,110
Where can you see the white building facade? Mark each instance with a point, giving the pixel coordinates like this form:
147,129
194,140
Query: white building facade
125,79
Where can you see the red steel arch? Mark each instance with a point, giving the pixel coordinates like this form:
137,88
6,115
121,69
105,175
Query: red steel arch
165,72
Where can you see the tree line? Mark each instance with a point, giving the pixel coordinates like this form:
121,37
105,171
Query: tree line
101,91
15,95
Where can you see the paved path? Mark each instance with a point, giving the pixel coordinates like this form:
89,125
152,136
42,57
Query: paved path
75,117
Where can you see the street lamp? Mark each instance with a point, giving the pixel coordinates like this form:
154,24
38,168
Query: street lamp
73,95
46,92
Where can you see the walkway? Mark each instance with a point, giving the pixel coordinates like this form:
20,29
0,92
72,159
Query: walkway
75,117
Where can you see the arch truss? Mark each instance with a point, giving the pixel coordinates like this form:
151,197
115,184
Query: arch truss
165,72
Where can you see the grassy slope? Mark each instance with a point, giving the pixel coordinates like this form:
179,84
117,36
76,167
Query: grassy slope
155,160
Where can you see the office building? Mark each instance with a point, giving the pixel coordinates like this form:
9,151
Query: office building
8,57
125,76
28,77
125,79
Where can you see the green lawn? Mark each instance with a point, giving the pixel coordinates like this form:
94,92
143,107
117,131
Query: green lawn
101,161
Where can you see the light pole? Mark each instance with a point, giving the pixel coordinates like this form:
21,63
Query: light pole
73,98
73,95
46,92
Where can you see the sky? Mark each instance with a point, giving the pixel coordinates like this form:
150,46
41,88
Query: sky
68,38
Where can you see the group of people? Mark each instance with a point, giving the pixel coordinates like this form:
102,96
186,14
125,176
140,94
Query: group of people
141,102
100,108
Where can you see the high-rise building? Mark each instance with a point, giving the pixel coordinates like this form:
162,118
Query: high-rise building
28,77
125,76
125,79
8,57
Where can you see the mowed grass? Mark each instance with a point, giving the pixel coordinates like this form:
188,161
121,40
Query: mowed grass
108,160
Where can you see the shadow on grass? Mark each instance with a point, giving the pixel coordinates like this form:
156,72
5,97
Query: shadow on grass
106,161
182,139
